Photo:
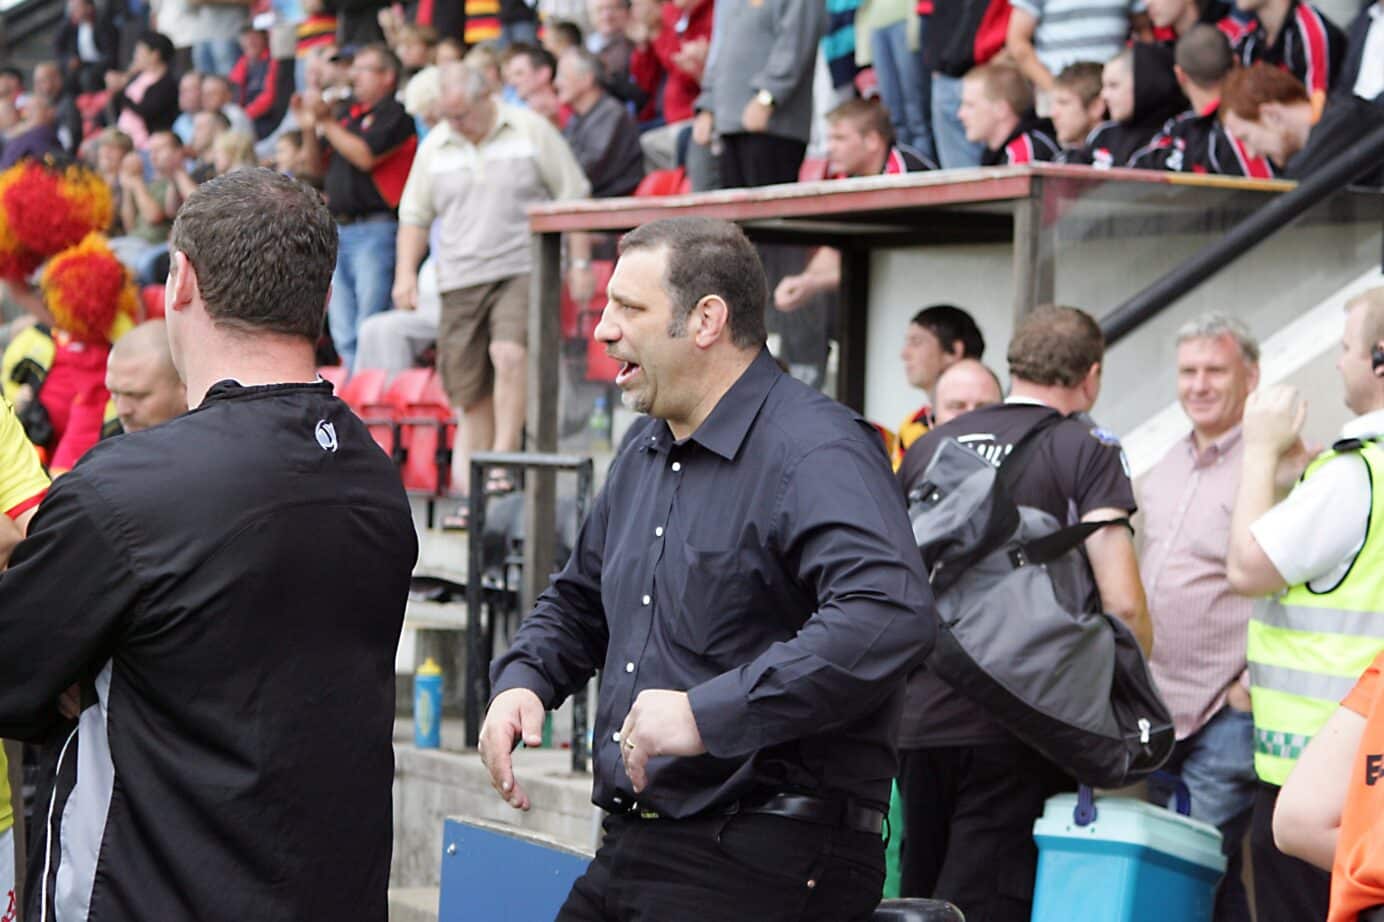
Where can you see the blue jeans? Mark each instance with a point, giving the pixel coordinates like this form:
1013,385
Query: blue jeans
216,56
1217,765
362,283
904,87
953,150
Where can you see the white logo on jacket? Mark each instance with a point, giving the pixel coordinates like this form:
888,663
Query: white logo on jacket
326,435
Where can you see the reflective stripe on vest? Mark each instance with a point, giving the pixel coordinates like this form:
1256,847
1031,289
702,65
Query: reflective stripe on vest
1307,649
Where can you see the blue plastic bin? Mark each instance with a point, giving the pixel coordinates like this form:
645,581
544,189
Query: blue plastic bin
1133,862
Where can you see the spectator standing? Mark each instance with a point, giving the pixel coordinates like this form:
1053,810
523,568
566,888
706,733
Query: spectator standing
743,748
1046,35
518,22
1362,72
607,41
1199,622
1196,141
1270,111
965,386
1317,552
669,64
483,253
254,80
144,99
1076,106
365,159
218,95
1141,93
887,39
757,88
601,131
961,35
971,792
1296,36
308,534
997,111
85,46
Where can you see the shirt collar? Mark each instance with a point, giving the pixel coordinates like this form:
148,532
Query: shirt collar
1369,426
1028,401
1218,447
724,430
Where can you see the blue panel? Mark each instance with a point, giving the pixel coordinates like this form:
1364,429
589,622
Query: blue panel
490,875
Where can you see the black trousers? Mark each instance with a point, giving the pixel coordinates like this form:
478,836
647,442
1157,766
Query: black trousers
1285,889
759,160
968,826
744,866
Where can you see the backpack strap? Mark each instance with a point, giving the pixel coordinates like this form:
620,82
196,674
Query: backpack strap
1052,546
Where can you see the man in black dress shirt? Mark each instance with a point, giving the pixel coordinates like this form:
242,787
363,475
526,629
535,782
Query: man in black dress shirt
747,584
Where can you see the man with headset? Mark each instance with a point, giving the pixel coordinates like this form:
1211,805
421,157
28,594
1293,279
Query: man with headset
1319,556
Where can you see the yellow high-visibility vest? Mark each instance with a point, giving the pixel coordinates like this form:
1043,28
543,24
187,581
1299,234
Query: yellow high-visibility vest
1307,648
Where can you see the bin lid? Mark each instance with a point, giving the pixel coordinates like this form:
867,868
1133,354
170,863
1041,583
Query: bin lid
1134,822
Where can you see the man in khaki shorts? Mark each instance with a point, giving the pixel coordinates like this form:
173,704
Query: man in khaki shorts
475,174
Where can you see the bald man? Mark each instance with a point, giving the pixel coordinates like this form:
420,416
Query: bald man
964,386
144,385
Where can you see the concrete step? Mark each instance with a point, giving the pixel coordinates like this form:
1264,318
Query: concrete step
432,784
413,904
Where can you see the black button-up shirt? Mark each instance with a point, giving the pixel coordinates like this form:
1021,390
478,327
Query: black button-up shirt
766,566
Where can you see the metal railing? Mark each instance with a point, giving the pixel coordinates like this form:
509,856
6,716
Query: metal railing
480,640
1350,164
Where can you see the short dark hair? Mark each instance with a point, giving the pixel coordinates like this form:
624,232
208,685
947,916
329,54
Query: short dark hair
539,58
388,59
708,257
158,43
1055,345
569,30
11,71
264,247
1204,55
952,325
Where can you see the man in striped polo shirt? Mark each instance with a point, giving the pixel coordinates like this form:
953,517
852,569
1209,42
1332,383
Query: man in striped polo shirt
1047,35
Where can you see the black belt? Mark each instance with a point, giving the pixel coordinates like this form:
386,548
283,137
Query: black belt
800,807
363,218
819,810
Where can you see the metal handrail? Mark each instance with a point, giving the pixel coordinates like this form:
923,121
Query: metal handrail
1349,165
477,647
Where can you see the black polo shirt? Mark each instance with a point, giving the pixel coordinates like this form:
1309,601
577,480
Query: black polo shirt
765,565
352,192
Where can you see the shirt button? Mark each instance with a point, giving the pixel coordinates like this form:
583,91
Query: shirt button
647,600
629,667
615,737
677,466
658,532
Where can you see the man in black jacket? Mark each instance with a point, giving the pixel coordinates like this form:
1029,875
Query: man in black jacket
225,592
1141,93
85,46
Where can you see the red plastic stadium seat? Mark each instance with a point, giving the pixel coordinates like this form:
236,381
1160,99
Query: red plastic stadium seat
664,182
365,388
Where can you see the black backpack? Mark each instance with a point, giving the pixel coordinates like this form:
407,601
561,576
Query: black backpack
1021,632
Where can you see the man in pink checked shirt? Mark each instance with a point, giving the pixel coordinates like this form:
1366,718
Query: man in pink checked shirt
1200,624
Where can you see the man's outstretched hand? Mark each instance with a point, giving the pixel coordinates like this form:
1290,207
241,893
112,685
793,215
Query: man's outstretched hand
514,715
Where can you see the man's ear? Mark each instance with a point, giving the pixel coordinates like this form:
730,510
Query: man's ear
711,320
1092,383
181,287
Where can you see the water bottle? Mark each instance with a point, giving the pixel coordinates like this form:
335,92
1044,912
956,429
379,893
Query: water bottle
427,705
600,424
